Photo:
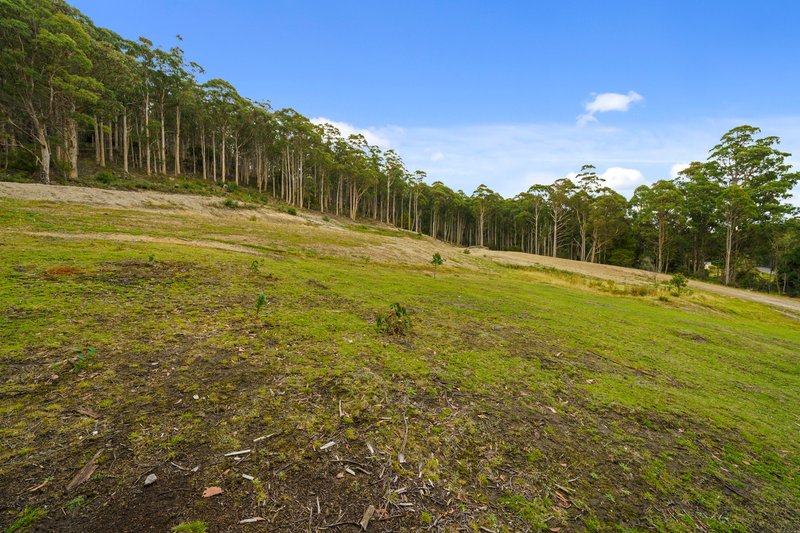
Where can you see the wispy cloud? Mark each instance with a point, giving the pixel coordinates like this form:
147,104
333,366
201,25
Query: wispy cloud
370,134
605,102
510,158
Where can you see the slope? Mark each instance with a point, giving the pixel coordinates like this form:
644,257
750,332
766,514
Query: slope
521,398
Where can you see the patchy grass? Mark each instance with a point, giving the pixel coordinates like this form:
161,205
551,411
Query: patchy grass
520,399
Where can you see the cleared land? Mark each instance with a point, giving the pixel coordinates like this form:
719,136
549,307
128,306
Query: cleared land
523,397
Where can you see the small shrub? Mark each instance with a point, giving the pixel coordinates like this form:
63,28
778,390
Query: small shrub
466,251
261,301
292,211
254,266
436,261
326,218
83,358
105,177
230,204
678,283
395,322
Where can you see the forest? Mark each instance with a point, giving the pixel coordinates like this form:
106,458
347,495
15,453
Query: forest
72,92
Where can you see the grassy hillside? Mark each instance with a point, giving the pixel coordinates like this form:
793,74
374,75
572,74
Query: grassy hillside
520,399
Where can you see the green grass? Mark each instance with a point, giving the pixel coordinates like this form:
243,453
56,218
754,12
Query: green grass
510,385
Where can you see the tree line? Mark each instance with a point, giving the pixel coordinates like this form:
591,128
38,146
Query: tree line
71,90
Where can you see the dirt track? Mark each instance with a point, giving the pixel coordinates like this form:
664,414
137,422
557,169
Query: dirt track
414,251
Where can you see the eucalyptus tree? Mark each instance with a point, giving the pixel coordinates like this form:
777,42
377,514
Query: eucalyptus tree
484,199
394,171
581,203
660,207
46,72
607,221
755,182
559,195
222,100
700,202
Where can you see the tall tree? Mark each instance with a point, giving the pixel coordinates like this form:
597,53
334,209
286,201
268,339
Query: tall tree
755,181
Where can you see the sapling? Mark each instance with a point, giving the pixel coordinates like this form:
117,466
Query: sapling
436,261
395,322
260,302
83,358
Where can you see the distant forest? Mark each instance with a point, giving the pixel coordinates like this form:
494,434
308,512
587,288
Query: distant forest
70,90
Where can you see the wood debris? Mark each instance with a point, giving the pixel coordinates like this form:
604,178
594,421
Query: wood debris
240,452
39,486
85,472
251,520
327,445
86,411
259,439
367,517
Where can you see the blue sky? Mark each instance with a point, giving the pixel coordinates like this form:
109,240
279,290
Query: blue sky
503,93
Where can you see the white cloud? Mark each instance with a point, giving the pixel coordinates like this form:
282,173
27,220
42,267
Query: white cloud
437,156
676,169
370,134
605,102
622,179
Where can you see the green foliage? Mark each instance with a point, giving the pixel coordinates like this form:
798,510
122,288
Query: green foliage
83,358
436,261
261,301
395,322
230,203
326,218
292,211
28,517
74,504
533,512
678,283
255,266
106,177
196,526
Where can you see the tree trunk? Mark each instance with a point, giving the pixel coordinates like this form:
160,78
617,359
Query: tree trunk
203,151
125,139
163,146
102,143
96,142
72,146
44,148
177,140
147,131
110,142
729,249
223,157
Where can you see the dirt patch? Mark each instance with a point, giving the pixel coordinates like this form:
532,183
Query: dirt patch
61,271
